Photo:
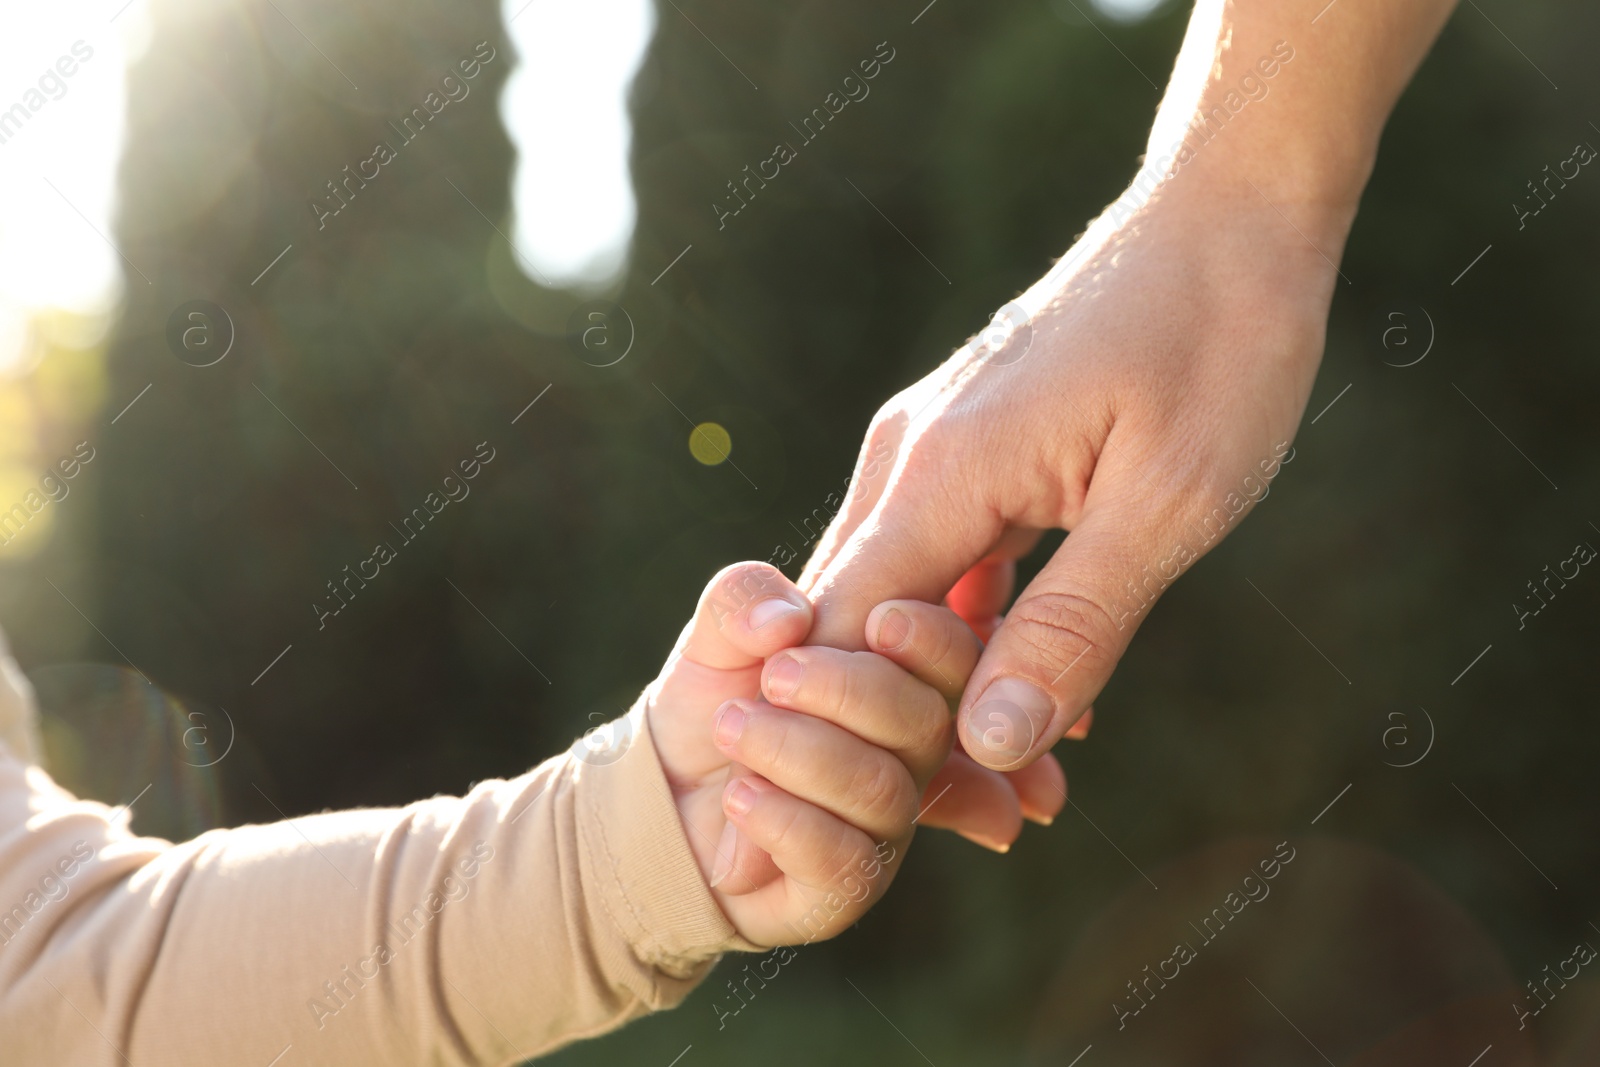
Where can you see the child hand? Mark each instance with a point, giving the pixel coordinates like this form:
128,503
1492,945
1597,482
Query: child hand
838,754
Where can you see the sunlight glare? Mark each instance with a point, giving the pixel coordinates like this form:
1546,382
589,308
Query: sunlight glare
61,127
565,109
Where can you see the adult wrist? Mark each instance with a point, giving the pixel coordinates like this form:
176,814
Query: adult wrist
1319,171
1316,191
1214,145
1256,101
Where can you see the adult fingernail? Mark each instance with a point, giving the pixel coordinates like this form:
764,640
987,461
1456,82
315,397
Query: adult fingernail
770,610
893,629
739,798
723,865
783,677
729,725
1001,847
1007,719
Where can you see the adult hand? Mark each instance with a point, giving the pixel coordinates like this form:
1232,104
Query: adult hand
1142,399
1145,391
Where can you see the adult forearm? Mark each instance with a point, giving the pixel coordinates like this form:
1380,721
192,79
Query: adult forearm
1138,393
1292,97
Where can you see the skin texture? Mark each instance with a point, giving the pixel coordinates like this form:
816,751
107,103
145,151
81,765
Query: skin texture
1132,392
798,772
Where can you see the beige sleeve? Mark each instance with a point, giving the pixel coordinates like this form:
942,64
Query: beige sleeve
484,929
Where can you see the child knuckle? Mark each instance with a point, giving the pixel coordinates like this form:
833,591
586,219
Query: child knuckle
776,737
852,691
843,860
883,792
784,830
924,715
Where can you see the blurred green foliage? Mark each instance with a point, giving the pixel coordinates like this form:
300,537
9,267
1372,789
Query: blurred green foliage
402,335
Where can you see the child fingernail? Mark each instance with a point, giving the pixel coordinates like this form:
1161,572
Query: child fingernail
893,630
783,677
770,610
739,798
723,865
730,725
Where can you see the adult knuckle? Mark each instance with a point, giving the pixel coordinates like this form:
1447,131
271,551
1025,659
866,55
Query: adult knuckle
1057,623
885,427
929,443
883,434
899,406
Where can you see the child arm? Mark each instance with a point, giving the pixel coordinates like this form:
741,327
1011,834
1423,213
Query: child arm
483,929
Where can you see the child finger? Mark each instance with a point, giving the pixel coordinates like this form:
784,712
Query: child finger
927,640
866,694
820,852
747,612
741,866
822,764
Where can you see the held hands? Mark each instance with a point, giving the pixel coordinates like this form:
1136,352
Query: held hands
1161,373
1148,383
798,772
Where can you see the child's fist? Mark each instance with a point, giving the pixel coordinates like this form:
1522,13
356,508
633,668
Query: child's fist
798,778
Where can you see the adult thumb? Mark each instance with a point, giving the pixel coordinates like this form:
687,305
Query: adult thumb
1063,637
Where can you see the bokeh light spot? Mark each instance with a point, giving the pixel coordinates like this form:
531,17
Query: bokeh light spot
710,443
1127,10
